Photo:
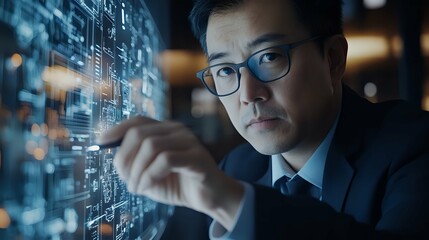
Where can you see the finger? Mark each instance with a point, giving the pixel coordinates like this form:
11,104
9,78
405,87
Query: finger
118,132
164,164
133,141
150,149
187,163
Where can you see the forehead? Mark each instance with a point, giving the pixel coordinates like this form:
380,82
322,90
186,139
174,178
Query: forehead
236,28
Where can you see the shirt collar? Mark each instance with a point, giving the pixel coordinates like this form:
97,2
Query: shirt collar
313,169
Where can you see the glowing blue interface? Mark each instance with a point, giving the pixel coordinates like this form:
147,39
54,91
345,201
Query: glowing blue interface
69,70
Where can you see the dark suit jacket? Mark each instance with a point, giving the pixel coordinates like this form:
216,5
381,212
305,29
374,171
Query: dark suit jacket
375,185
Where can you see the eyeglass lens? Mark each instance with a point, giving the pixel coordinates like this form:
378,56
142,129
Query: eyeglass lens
266,65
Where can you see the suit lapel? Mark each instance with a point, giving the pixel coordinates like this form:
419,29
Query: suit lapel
338,173
266,179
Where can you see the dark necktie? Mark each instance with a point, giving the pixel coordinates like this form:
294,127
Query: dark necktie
297,186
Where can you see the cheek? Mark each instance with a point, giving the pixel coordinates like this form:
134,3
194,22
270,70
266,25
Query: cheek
305,90
310,77
232,109
313,70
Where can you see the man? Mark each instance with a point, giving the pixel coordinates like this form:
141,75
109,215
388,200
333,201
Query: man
277,66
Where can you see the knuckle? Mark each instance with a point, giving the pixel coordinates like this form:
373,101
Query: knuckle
134,132
153,143
167,158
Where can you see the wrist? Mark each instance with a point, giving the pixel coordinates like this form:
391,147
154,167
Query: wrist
226,202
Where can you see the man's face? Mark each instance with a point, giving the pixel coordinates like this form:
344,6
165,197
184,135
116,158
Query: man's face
288,114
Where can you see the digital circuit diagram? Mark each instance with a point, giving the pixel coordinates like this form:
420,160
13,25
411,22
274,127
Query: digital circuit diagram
69,70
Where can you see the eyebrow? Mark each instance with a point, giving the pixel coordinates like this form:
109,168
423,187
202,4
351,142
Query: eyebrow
266,38
215,56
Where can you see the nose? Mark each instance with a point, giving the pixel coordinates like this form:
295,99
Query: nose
251,89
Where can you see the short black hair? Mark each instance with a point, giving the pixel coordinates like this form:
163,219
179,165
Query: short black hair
320,17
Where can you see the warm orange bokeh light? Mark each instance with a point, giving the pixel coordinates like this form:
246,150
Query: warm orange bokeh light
16,60
180,66
426,103
35,129
4,218
39,154
106,229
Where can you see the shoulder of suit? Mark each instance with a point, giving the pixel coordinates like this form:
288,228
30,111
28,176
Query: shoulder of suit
399,115
399,132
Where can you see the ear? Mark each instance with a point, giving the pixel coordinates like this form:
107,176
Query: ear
336,52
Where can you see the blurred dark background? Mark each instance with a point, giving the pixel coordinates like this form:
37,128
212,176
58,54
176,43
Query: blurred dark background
388,58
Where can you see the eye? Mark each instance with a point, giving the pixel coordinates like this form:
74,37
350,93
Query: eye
225,71
268,57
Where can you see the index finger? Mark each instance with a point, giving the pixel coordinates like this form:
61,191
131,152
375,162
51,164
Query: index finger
117,133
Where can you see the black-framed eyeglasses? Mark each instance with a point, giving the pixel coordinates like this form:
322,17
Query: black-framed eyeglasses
266,65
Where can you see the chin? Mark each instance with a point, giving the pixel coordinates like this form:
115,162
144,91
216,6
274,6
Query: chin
267,147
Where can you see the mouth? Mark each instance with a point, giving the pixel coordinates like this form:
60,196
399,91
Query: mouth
262,122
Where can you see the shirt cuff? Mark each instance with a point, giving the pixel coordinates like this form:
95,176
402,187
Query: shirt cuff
244,219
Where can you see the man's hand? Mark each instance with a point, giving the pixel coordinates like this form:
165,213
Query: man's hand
165,162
